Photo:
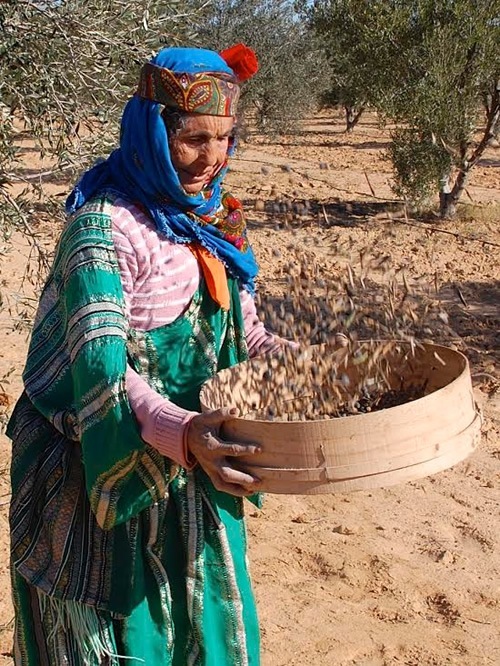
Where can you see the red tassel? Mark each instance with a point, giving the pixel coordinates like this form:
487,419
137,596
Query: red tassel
242,61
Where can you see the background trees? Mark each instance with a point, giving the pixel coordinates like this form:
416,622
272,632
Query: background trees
433,69
447,103
292,66
354,38
66,69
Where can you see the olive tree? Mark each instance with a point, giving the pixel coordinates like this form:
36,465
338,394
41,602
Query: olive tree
291,66
66,68
447,101
433,69
350,34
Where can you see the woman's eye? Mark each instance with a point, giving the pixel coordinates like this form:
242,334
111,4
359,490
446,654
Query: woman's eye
197,141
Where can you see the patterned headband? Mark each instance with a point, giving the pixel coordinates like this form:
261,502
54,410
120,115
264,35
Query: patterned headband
210,93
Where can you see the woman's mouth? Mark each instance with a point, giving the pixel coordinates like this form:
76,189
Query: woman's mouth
205,176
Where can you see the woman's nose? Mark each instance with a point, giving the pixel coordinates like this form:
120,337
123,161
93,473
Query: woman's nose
210,153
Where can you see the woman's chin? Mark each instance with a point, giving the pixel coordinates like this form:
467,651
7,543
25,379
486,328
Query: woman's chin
193,188
194,184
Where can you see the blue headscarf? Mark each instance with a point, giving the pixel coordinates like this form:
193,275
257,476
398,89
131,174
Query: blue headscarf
141,170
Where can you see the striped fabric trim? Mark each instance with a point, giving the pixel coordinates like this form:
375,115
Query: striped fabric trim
76,345
151,471
107,395
236,639
156,518
195,568
102,499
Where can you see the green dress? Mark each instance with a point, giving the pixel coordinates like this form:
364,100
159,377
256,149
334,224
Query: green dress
118,554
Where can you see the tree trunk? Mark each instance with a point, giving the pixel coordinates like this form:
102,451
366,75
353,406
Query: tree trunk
447,206
445,203
352,116
449,197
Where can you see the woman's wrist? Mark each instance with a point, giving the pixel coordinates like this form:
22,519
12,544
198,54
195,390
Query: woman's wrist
162,424
171,434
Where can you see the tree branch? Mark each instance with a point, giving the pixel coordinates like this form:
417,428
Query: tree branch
438,230
491,126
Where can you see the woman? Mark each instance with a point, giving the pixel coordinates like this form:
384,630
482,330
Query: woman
128,540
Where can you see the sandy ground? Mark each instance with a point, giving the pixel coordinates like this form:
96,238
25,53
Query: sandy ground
405,575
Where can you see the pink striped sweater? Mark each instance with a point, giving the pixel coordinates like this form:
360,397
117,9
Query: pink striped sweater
159,280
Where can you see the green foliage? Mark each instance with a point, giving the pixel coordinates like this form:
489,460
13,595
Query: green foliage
67,67
291,66
431,67
448,57
356,38
10,212
448,71
69,62
419,164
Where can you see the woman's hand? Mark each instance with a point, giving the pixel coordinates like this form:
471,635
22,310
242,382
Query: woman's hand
214,454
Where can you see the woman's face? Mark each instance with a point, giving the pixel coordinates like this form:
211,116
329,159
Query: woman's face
199,149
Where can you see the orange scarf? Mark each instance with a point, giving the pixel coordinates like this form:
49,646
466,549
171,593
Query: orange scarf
214,273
